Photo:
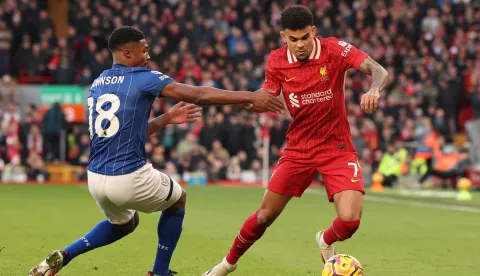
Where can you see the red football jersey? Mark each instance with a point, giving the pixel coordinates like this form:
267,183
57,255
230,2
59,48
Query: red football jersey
314,94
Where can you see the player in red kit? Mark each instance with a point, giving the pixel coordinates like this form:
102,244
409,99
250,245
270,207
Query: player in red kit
310,73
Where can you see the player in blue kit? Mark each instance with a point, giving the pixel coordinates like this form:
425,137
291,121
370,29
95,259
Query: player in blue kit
119,178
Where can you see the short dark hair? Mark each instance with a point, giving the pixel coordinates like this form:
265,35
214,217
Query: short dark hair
296,17
124,35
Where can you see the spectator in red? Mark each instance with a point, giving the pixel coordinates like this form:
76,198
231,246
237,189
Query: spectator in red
12,143
189,69
35,140
12,118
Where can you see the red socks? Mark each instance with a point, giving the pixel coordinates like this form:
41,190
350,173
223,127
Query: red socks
340,230
250,232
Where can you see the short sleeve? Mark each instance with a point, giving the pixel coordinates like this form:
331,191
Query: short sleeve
271,78
155,82
344,52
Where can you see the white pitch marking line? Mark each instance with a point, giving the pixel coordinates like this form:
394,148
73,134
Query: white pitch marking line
412,202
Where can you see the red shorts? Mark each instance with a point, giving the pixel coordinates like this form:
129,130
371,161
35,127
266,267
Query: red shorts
340,172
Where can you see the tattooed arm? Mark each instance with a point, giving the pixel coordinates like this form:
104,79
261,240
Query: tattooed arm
369,102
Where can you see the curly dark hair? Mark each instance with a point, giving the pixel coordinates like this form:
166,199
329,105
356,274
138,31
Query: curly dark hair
124,35
296,17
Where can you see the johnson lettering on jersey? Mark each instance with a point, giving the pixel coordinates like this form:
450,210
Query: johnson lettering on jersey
314,93
119,104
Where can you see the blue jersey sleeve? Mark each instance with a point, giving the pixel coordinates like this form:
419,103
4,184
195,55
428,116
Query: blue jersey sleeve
155,82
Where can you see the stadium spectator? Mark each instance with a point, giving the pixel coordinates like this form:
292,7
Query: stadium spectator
5,47
12,118
158,158
474,93
53,124
14,171
35,168
234,171
392,164
35,141
8,92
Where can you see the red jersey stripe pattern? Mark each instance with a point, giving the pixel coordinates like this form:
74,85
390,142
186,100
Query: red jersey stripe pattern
314,93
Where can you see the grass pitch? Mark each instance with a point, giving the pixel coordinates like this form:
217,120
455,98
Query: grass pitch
395,238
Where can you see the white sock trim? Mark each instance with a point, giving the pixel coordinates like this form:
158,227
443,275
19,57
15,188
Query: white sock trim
225,262
322,241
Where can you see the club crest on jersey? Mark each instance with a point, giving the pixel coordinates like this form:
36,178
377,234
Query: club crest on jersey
294,100
323,73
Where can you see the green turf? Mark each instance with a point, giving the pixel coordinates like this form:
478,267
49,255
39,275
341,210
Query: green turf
394,239
432,198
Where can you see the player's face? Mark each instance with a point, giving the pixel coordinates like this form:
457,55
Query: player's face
300,42
138,54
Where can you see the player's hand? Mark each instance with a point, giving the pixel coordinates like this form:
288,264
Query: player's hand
263,101
369,102
181,113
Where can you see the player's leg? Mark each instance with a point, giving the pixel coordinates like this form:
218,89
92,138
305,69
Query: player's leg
104,233
154,191
121,220
120,223
252,230
344,184
255,226
169,230
349,206
290,179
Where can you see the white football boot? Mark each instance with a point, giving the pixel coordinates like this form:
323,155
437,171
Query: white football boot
221,269
326,251
50,266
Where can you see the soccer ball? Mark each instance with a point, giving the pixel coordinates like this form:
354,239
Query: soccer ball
342,265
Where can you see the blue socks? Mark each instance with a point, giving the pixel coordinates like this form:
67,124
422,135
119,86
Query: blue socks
102,234
169,230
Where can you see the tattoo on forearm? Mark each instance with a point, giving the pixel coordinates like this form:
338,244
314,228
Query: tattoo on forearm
379,74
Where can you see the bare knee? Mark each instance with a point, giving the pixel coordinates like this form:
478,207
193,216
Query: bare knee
130,226
349,205
350,215
271,207
350,222
180,204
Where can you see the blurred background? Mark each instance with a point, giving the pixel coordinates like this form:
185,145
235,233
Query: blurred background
425,133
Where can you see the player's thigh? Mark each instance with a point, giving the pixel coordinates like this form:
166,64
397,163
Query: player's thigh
115,214
291,178
341,172
150,191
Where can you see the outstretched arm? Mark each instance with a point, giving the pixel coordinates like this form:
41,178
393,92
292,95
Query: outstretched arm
179,114
369,102
202,95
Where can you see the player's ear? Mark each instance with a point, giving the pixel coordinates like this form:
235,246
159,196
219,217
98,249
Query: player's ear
284,36
314,31
127,53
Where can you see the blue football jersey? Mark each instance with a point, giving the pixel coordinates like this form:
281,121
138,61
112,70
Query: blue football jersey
119,104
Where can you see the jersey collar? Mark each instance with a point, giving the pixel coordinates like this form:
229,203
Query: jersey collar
117,65
317,48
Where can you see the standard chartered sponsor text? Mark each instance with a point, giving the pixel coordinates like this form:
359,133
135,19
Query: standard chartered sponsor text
317,97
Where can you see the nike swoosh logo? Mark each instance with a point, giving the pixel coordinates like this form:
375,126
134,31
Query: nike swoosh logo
355,180
289,80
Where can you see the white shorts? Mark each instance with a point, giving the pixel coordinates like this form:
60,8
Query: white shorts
146,190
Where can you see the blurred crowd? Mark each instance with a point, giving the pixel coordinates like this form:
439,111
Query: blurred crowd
430,48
